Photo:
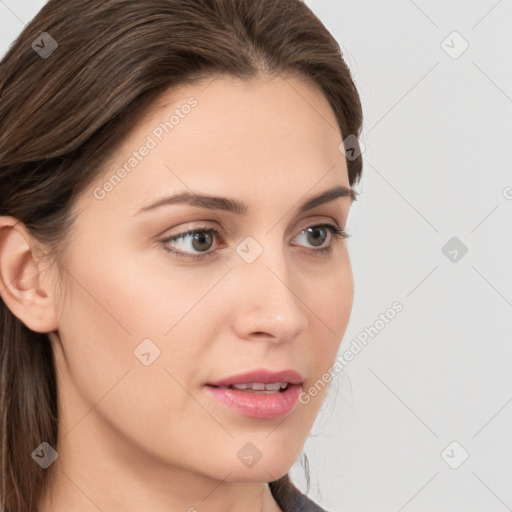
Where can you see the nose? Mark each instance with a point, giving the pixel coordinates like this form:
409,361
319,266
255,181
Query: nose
270,300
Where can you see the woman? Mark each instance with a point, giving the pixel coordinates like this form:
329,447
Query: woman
175,280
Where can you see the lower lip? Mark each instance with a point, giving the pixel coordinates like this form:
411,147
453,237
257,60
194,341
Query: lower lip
258,405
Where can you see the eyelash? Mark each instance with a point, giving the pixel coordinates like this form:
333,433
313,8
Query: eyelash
337,232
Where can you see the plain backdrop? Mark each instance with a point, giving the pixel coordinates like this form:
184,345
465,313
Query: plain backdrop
420,419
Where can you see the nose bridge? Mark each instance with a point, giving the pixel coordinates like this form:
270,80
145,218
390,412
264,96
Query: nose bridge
267,301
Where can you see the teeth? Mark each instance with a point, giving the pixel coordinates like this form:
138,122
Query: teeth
259,386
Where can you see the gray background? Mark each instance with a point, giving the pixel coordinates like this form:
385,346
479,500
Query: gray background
437,165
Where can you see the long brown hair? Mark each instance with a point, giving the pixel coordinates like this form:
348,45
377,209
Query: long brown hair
64,112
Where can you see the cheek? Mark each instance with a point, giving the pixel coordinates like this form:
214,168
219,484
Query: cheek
331,300
105,319
331,309
145,297
117,314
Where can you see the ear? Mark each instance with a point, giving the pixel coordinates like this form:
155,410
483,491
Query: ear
22,285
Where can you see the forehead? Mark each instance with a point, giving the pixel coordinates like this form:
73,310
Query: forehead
231,136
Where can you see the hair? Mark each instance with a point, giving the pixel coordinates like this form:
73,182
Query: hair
63,117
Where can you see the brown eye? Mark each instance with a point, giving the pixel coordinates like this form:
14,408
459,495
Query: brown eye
199,239
317,233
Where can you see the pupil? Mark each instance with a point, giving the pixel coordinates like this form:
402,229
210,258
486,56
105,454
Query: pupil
315,230
200,237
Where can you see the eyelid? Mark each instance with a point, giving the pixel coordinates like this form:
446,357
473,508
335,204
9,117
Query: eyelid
204,225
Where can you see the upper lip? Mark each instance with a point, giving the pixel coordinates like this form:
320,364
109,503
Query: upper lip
261,375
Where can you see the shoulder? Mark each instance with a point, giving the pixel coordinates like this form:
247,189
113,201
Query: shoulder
290,499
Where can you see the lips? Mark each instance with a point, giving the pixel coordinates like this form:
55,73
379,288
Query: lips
261,376
264,395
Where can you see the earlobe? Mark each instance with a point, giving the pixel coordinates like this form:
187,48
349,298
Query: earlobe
22,286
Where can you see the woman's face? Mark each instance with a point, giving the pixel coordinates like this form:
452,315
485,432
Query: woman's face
142,332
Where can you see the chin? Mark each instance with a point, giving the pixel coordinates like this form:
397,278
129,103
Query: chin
259,473
251,464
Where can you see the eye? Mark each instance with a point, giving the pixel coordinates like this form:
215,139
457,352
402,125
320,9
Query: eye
198,238
201,239
314,230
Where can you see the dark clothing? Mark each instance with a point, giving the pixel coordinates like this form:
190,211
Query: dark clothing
292,500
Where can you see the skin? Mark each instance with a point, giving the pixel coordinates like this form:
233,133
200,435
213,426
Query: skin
136,437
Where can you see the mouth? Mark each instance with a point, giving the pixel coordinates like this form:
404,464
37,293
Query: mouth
259,388
261,393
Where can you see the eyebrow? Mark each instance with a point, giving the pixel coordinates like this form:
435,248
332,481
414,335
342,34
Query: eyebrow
238,207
